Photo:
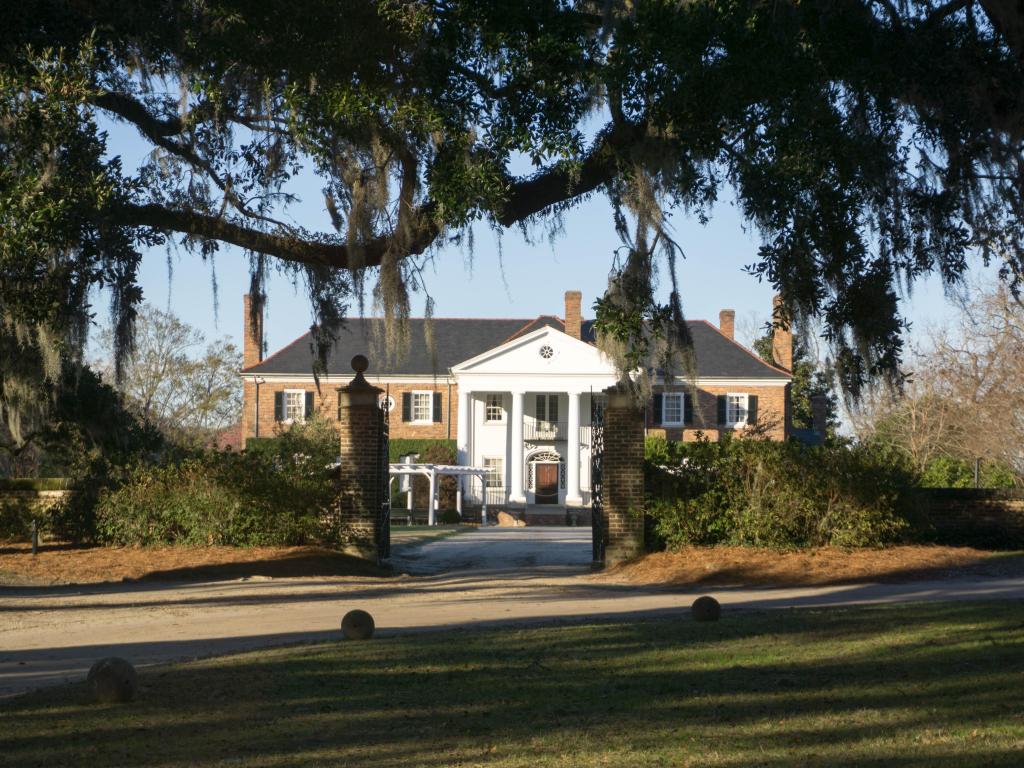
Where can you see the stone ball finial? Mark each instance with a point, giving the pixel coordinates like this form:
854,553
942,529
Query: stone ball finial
360,363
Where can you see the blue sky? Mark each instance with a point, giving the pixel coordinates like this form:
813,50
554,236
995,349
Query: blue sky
525,280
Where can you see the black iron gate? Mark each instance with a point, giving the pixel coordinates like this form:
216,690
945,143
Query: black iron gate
597,486
382,525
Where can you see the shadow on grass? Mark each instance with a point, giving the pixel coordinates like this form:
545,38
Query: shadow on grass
934,685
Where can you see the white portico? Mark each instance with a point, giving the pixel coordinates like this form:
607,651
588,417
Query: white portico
524,412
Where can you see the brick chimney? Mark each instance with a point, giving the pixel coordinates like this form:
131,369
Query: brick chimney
782,337
573,319
727,322
252,332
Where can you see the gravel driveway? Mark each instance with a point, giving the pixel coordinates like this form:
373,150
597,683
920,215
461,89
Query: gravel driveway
50,635
494,551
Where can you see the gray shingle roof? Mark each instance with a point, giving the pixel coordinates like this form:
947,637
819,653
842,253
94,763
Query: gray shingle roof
459,339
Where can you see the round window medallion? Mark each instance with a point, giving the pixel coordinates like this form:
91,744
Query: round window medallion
547,352
387,403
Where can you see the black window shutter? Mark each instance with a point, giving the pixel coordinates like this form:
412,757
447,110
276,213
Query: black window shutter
407,406
309,405
656,410
687,408
751,409
721,409
279,406
339,405
437,406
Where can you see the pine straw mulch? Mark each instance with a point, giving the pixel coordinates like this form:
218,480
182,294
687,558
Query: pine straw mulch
66,564
815,567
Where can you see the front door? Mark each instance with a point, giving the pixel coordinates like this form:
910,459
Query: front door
547,484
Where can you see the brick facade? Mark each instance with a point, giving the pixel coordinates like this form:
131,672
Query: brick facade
773,413
973,517
772,409
325,404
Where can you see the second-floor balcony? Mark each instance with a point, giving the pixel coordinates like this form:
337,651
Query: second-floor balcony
534,430
538,429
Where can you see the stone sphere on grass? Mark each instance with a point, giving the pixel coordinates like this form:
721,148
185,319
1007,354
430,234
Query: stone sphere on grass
113,680
357,625
706,608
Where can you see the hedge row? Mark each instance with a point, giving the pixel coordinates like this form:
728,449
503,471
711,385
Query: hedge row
776,494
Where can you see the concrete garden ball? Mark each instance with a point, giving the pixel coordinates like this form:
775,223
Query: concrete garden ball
357,625
113,680
706,608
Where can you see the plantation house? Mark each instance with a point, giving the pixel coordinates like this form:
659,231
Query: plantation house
518,396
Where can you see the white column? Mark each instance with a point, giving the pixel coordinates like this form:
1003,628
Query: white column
432,499
516,493
462,454
483,510
572,453
407,485
462,430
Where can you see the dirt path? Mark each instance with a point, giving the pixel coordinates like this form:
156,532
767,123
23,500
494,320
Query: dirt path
52,634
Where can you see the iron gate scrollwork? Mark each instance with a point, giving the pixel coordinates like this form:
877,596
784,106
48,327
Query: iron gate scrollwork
382,525
597,486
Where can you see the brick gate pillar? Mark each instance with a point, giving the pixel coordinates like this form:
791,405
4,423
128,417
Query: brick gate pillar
623,476
360,487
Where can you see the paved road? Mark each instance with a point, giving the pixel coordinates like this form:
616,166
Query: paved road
51,635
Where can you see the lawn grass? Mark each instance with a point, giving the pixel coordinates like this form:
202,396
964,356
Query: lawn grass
932,685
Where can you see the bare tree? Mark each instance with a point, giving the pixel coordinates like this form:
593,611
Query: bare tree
177,381
965,398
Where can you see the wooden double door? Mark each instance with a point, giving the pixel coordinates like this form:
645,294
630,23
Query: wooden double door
546,482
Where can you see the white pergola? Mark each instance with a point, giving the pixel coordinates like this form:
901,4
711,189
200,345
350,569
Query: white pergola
432,471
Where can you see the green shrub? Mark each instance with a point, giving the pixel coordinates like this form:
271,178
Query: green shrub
260,498
403,446
430,452
449,517
775,494
947,472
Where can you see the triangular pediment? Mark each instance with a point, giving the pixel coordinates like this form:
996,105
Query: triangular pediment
545,351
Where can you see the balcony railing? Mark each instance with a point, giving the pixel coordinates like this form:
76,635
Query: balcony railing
554,430
545,430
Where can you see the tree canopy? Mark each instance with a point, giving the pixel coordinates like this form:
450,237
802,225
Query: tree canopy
869,143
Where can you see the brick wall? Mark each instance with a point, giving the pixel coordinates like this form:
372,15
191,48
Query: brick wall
973,517
773,416
19,508
325,403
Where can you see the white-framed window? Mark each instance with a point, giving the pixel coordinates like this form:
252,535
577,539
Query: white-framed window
294,405
736,409
547,408
422,407
495,466
494,408
672,408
